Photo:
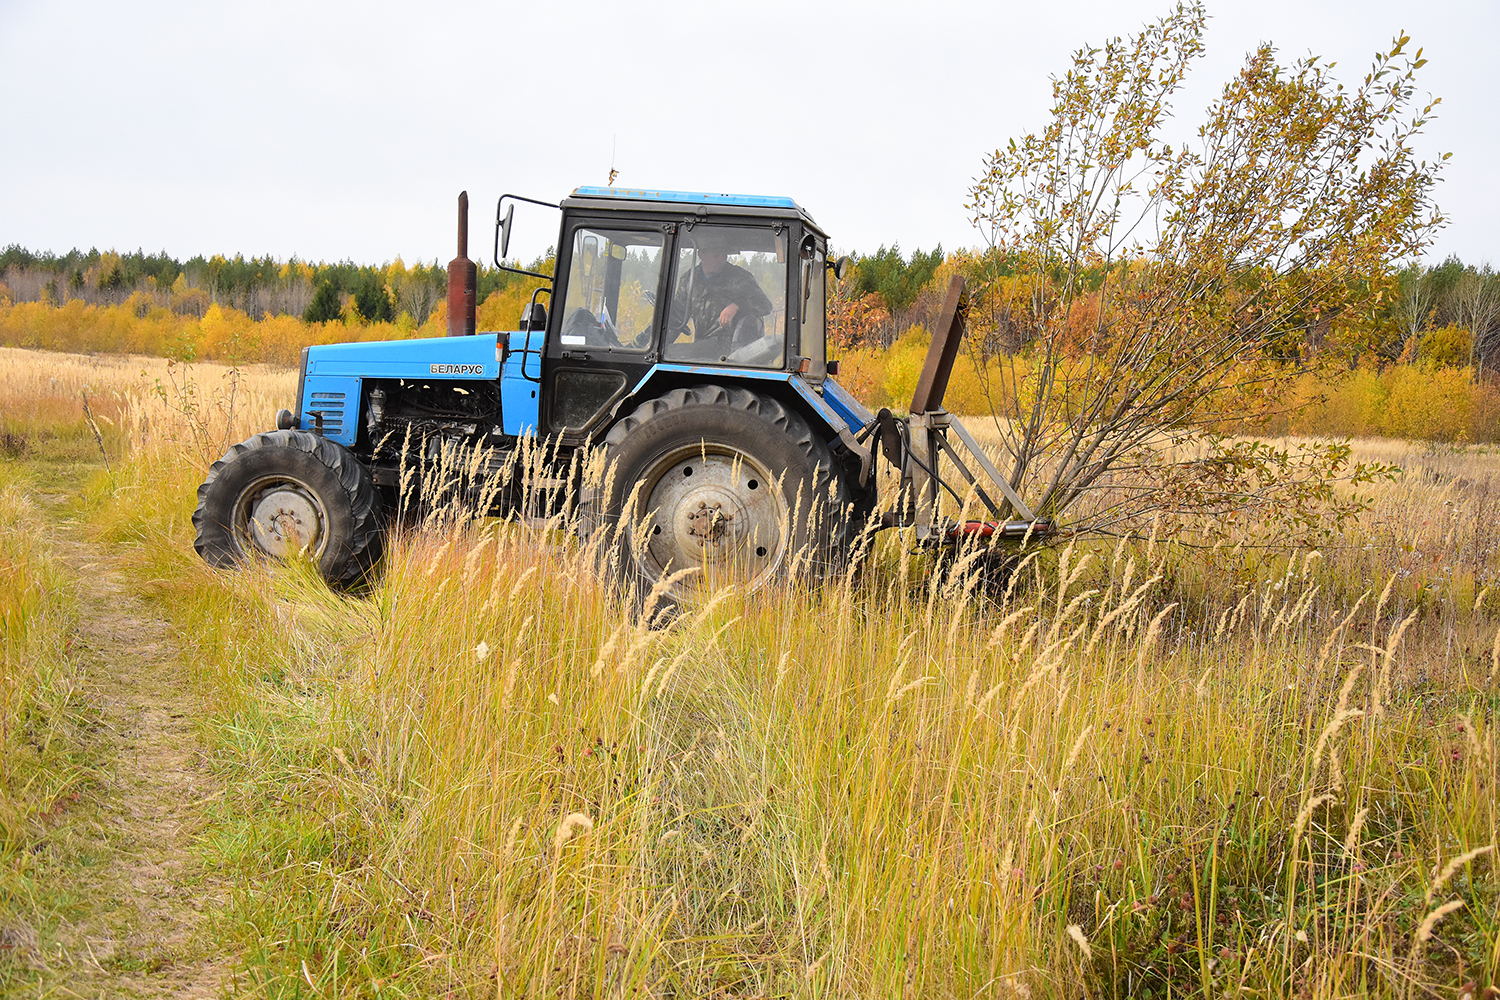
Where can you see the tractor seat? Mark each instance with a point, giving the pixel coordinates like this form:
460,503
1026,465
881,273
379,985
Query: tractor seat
533,318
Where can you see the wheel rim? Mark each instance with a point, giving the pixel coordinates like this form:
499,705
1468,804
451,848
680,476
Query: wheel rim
717,510
280,516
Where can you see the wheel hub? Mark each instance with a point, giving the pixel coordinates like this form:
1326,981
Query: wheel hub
720,513
711,521
285,520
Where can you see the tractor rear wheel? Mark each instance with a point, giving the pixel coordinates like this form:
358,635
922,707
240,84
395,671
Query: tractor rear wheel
724,483
285,492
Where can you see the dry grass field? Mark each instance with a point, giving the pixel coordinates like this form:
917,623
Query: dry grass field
1148,770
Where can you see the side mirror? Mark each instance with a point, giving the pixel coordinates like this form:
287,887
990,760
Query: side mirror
590,254
502,232
503,237
838,267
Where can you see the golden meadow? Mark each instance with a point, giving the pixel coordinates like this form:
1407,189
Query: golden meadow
1147,770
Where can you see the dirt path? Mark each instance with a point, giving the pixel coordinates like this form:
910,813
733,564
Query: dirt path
141,897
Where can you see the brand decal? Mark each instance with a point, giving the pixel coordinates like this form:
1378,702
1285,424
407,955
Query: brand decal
457,369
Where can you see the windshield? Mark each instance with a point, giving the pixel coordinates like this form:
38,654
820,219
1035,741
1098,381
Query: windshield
612,282
729,297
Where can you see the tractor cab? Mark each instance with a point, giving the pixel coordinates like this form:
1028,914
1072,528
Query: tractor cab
649,283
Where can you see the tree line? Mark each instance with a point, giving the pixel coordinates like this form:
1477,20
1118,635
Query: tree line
259,287
1447,313
1444,314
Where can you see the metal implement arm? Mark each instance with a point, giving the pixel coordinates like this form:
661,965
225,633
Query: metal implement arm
989,468
963,469
946,337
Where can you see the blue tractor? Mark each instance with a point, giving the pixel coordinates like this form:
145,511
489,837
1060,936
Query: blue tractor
681,340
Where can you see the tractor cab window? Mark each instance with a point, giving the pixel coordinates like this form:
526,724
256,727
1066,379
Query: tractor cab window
611,292
728,297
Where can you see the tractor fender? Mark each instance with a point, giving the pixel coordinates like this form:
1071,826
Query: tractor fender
837,419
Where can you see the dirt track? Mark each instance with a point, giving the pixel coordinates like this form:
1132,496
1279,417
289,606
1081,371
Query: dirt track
129,913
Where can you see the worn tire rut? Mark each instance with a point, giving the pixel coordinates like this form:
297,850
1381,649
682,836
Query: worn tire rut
144,895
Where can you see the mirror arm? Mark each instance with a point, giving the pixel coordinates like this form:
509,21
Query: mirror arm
502,227
529,274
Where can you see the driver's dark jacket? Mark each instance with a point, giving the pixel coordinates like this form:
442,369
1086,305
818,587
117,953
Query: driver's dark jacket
707,295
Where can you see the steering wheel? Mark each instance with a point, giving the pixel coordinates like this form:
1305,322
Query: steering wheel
581,323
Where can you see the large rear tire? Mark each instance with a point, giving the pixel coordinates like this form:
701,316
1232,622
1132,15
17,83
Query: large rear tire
720,481
284,492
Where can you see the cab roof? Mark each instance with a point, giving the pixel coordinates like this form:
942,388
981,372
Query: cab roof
648,199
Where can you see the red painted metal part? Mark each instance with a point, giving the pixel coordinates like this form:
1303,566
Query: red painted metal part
1003,529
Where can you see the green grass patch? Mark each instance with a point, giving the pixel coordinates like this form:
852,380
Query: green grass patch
51,756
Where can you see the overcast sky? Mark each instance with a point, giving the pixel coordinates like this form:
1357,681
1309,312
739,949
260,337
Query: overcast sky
346,130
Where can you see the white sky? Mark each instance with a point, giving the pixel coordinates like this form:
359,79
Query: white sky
346,130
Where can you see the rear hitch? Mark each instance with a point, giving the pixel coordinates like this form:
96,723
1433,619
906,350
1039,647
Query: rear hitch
917,446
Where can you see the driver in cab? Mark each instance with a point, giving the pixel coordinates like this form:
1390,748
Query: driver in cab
721,297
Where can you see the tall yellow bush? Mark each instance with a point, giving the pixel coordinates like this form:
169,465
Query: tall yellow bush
1428,402
903,367
1420,401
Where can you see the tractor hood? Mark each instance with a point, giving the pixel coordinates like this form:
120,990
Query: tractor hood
475,357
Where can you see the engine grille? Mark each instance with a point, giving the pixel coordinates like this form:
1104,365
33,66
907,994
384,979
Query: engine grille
331,406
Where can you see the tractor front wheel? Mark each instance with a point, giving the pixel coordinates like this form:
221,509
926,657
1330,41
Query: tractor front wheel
727,485
285,492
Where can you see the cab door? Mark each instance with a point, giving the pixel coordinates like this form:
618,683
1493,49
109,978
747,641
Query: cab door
603,331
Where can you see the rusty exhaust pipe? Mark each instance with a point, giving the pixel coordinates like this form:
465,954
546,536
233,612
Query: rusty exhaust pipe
463,278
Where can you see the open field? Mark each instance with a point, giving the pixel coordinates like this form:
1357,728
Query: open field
1149,770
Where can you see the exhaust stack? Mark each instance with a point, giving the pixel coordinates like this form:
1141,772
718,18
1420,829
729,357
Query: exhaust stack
463,278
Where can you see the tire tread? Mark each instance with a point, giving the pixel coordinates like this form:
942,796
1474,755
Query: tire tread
775,418
355,558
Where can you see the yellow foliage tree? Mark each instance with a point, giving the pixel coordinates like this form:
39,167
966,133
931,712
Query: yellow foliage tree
1164,288
1446,345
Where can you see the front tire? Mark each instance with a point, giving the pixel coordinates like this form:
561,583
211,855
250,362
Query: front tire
719,481
284,492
